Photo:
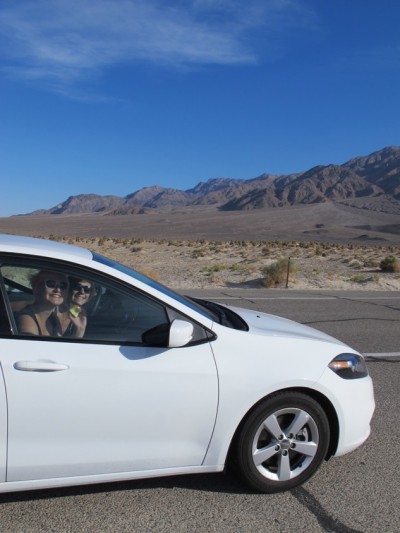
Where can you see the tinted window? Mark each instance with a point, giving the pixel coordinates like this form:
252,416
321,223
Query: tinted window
66,303
152,283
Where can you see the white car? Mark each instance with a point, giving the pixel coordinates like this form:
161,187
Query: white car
138,381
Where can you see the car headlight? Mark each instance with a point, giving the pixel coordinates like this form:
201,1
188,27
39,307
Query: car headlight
349,366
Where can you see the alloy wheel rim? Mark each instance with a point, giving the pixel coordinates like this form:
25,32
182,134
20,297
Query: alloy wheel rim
285,444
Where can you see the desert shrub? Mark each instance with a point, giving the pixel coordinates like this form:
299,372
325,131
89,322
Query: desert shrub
244,270
212,269
265,250
370,263
355,263
198,253
276,273
360,278
215,249
390,264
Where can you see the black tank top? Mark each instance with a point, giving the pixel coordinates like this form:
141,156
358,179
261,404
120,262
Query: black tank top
51,322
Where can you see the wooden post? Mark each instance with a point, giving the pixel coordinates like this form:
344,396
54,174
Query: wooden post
287,276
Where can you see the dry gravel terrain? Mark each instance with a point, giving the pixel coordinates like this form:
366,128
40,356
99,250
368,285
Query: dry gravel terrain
202,263
330,246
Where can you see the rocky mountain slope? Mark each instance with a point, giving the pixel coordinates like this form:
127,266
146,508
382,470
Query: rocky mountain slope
369,182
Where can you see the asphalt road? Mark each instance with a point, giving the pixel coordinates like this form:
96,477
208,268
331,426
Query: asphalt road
355,493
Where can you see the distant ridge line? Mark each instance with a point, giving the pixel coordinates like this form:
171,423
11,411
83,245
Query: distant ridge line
367,182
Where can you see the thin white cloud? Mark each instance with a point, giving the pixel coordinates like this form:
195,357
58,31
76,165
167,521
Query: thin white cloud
64,42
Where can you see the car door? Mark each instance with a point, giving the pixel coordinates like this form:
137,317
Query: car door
83,409
79,407
3,428
5,330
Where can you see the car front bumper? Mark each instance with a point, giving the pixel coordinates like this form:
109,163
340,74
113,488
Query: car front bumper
354,403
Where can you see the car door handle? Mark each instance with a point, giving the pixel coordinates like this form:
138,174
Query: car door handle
39,366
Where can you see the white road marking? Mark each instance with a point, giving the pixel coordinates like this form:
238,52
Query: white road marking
332,298
389,354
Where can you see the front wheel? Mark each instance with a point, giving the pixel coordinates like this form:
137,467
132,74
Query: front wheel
282,442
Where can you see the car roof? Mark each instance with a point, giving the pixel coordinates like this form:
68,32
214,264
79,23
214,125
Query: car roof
43,247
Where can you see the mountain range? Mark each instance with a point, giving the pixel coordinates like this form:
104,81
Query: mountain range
369,182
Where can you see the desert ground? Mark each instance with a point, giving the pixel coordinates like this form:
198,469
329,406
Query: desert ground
327,222
184,264
203,263
326,246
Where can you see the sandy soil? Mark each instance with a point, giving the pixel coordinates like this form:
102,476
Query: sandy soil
202,263
327,222
330,246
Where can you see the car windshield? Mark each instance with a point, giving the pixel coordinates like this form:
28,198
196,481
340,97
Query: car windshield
208,313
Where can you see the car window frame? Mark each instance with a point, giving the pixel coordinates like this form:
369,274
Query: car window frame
5,317
63,266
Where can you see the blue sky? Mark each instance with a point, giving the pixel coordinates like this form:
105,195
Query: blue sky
109,96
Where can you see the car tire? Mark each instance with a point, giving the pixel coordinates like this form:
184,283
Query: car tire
282,442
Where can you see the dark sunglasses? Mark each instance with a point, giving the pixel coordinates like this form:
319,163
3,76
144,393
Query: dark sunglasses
52,284
87,289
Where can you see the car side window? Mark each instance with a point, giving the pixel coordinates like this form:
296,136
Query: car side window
123,315
47,300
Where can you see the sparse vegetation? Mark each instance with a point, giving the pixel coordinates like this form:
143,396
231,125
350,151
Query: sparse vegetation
198,253
212,269
358,265
203,263
276,273
360,278
390,264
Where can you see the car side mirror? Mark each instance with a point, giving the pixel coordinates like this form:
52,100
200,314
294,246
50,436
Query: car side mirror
180,333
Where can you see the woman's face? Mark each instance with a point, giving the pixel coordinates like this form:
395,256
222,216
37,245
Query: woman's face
53,288
81,292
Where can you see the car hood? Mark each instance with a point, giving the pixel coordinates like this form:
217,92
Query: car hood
271,325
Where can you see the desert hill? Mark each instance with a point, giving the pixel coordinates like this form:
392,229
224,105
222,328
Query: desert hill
362,182
356,202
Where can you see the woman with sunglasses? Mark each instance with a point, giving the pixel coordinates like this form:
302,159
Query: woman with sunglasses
71,314
50,290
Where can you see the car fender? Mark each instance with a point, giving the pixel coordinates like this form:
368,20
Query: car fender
250,374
